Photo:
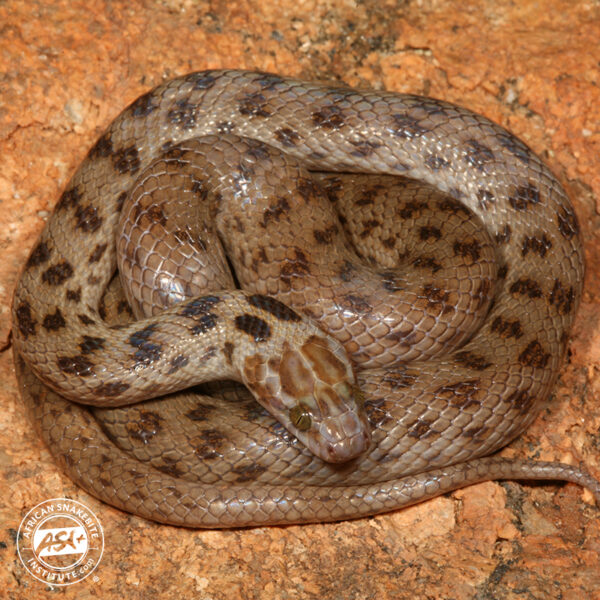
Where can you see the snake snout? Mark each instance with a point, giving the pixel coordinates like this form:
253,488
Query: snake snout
330,421
336,429
344,438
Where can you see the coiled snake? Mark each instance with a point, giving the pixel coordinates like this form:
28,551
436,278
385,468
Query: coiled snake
455,350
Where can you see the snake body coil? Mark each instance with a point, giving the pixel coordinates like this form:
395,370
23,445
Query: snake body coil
450,371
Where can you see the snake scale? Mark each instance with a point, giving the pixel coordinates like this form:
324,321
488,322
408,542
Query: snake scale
388,404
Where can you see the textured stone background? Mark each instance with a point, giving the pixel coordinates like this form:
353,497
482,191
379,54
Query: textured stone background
68,67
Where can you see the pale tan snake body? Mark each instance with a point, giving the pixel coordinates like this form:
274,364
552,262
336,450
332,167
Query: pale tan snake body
430,420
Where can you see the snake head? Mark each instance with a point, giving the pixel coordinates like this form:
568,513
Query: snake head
312,391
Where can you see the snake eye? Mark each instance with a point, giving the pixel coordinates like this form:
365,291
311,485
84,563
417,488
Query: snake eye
300,417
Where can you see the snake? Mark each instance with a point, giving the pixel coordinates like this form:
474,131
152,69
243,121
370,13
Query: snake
346,380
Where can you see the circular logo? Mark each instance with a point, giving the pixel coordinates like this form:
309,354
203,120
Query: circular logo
60,541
